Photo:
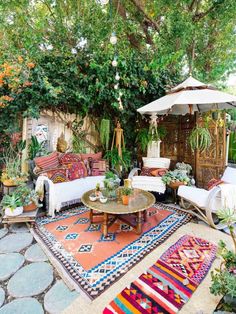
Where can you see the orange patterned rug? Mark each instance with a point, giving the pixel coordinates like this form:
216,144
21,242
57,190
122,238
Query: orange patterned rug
94,262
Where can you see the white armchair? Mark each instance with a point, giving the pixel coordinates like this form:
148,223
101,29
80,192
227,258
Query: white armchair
153,184
204,204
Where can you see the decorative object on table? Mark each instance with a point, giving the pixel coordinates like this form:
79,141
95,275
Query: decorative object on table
111,183
168,284
97,190
29,197
106,259
200,138
93,197
127,183
224,278
103,199
62,144
12,204
126,192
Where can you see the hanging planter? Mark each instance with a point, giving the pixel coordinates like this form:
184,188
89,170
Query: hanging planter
105,133
200,139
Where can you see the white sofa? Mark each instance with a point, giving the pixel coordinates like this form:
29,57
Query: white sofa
59,195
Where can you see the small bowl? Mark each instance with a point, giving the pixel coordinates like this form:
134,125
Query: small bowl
103,200
92,198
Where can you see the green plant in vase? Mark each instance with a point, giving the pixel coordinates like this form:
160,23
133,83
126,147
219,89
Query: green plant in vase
176,177
111,183
12,204
126,192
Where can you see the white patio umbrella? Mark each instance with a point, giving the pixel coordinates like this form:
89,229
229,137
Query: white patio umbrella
188,97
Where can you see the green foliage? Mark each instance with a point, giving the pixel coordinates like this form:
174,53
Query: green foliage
27,195
175,176
11,201
126,191
116,161
35,148
105,133
145,136
200,138
224,279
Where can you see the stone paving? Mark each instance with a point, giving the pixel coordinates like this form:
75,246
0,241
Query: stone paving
28,282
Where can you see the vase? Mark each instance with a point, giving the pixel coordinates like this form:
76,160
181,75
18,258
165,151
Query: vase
9,182
175,185
29,208
125,199
16,212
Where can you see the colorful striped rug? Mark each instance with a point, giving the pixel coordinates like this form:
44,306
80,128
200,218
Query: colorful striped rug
170,282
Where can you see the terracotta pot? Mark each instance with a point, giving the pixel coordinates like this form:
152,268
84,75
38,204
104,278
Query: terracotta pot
29,208
125,199
175,185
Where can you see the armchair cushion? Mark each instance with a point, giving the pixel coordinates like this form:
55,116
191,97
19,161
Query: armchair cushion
229,175
196,196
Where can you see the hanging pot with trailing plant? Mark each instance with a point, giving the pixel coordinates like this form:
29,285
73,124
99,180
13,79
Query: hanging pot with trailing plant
200,139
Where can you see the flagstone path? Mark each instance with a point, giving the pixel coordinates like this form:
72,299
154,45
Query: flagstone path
29,283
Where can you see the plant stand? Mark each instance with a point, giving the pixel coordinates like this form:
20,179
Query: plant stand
8,188
27,217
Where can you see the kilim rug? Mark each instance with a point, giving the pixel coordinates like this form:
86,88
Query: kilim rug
167,285
91,262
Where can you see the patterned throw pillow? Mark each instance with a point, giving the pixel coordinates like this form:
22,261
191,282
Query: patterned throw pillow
47,162
76,170
96,156
57,175
214,182
99,167
69,158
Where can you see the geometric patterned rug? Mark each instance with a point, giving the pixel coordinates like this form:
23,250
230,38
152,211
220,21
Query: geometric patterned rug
90,262
167,285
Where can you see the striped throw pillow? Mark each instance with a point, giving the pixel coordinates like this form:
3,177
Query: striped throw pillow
47,162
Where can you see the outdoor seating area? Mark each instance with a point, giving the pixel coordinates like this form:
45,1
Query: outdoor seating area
117,157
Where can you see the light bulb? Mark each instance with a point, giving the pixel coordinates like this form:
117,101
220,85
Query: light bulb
113,39
116,86
73,51
114,63
117,77
103,2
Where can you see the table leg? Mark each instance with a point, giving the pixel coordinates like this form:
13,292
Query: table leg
91,216
139,223
145,215
105,224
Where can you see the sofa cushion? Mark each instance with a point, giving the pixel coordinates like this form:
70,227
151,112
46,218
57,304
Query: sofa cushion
98,167
58,175
214,182
47,162
76,170
69,158
153,172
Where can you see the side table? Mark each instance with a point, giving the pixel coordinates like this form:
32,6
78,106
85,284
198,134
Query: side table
27,217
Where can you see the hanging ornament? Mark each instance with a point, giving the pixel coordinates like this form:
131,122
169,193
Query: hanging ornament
113,38
117,77
103,2
116,86
120,105
114,63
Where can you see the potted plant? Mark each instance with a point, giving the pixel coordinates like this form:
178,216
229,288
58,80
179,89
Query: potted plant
126,192
185,168
224,277
97,189
29,197
175,178
200,138
111,183
12,204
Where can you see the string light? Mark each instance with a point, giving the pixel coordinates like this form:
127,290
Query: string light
116,86
113,39
117,77
104,2
114,63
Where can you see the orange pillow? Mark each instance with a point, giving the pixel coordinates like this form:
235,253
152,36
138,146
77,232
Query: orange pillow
159,172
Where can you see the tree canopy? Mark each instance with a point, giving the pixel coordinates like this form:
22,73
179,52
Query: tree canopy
159,42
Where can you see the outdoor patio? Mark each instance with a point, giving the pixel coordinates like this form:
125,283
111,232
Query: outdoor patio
117,157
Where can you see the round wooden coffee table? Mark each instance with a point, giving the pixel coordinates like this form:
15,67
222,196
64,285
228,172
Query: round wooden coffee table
139,202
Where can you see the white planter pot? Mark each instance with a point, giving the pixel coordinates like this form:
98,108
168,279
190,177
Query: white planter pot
16,212
153,150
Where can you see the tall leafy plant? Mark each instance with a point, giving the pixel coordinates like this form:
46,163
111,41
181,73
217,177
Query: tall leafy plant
200,139
105,133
